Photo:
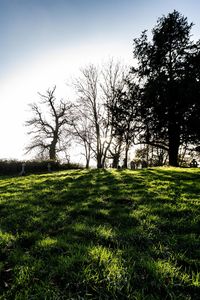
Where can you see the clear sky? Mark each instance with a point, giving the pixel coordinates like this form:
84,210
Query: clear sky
45,42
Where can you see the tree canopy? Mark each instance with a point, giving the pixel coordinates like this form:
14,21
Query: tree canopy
168,72
155,104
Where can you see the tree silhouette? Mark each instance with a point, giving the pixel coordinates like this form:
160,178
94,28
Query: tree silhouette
124,117
168,71
95,89
48,125
82,131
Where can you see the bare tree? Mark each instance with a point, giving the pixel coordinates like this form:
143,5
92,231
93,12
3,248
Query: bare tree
82,131
113,78
95,89
47,125
87,88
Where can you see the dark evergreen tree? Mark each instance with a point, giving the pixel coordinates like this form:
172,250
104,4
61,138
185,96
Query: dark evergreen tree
169,74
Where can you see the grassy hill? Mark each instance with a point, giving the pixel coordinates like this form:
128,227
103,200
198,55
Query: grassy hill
101,234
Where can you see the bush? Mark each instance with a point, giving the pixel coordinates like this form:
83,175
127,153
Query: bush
14,167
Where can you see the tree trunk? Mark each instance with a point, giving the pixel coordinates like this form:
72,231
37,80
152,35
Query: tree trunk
125,164
87,163
174,143
52,149
99,153
147,155
99,161
52,152
87,154
115,162
99,165
173,155
173,128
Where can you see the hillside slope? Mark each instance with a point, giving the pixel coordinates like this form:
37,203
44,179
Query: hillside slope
101,234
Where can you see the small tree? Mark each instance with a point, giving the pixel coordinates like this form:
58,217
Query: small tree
47,125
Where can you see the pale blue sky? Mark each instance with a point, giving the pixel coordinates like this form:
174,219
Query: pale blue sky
31,27
45,41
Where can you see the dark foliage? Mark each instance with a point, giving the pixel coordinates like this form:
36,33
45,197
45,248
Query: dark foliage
14,167
169,75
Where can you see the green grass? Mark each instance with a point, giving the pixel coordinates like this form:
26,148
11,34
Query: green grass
101,234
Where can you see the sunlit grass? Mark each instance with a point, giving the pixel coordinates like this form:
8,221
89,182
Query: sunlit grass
101,234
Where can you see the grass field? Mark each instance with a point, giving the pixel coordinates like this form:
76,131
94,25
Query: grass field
101,234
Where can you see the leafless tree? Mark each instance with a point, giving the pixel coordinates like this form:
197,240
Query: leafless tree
95,88
82,131
47,125
113,78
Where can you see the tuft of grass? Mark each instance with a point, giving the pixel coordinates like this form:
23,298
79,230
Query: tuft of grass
101,234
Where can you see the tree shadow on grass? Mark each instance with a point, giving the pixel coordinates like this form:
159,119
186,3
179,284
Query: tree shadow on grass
98,234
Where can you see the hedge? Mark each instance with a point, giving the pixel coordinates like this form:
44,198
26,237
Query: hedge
14,167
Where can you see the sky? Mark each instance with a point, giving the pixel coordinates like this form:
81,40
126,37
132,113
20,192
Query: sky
45,43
